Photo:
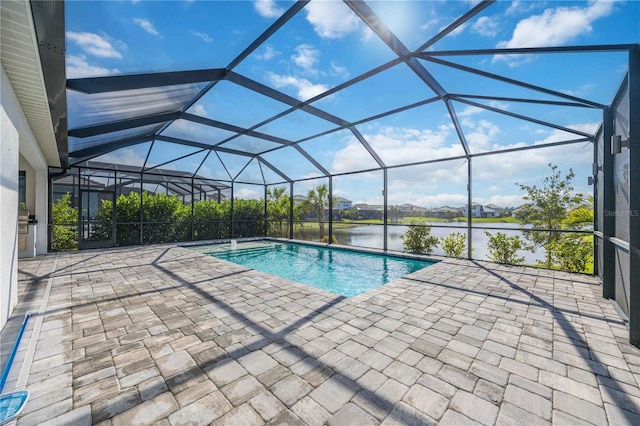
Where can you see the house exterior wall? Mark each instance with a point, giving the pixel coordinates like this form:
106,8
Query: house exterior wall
9,159
476,210
342,205
16,139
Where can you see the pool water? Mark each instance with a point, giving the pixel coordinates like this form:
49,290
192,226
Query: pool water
344,272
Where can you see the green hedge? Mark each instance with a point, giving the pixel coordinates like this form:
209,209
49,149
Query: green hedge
65,218
167,219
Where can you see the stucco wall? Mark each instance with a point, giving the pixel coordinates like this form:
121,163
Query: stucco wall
9,159
16,141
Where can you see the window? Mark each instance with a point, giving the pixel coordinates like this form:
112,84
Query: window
22,190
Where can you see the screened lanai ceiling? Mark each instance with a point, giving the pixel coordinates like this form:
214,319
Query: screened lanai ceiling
268,92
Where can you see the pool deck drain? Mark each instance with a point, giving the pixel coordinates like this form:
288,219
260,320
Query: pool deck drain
165,334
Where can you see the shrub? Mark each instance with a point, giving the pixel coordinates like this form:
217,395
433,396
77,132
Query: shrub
211,220
503,249
325,239
417,239
167,219
572,254
65,219
248,218
453,244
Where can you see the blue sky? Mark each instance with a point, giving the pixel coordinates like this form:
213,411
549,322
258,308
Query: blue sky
325,45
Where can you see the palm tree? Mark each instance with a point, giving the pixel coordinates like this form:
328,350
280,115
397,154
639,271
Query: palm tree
317,202
573,251
581,216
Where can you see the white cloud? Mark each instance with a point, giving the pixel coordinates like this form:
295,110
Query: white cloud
332,19
204,36
428,201
469,111
553,27
397,145
485,26
557,135
431,23
306,57
306,89
94,44
269,53
146,25
199,109
444,183
339,70
581,91
248,194
352,157
528,166
132,156
459,30
77,67
557,26
268,8
482,135
520,7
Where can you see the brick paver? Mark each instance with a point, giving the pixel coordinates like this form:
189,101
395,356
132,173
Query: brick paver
166,334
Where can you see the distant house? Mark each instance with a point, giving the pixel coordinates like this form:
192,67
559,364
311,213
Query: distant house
341,203
412,210
489,212
447,212
366,211
478,210
406,208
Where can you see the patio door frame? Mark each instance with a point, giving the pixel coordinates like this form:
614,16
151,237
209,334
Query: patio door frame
84,220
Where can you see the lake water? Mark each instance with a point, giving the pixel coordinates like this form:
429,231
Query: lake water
372,236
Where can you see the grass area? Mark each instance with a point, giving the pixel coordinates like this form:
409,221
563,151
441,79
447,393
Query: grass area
495,220
404,221
420,220
336,225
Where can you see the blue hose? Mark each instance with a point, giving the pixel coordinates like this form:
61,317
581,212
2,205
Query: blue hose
7,367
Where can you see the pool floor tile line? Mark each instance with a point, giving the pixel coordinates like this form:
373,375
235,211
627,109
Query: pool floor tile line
155,333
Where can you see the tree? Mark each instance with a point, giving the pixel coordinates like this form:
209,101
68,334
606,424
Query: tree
317,202
395,213
349,214
547,209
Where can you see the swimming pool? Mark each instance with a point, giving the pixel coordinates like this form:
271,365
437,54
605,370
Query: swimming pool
344,272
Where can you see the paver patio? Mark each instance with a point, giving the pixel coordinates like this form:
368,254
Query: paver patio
166,335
